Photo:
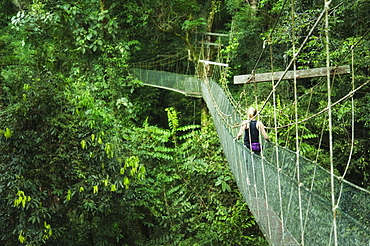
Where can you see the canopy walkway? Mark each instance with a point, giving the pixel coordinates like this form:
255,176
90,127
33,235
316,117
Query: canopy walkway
289,211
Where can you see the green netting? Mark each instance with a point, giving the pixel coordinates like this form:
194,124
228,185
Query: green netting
187,85
269,182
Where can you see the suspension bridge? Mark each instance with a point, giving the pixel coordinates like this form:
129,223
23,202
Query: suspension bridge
294,200
288,211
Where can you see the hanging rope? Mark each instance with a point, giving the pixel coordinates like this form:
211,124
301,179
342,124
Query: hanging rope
352,131
302,181
352,118
296,126
278,164
350,94
295,56
264,187
330,123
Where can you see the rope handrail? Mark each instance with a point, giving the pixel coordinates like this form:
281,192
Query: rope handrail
284,185
260,194
350,94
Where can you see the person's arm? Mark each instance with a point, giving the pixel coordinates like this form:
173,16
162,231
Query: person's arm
242,129
261,128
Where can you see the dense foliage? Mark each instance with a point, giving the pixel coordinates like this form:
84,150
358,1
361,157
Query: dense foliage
92,157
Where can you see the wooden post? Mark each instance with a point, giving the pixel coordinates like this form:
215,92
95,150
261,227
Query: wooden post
300,74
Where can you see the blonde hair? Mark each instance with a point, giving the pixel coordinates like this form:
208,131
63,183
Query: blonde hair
251,112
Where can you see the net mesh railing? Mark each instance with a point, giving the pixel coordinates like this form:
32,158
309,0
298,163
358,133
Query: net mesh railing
185,84
288,212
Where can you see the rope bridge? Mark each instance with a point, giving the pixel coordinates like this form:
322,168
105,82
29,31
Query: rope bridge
289,211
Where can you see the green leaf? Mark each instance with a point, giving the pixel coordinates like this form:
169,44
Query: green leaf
69,195
83,144
8,133
225,187
21,238
126,182
95,189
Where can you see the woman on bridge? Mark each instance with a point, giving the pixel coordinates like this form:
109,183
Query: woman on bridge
251,129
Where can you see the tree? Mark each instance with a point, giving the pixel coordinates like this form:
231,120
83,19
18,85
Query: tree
74,162
189,196
61,125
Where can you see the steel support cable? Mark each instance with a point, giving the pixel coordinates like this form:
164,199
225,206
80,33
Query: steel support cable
314,174
238,103
265,190
265,185
254,183
223,77
255,67
314,87
322,111
234,102
278,18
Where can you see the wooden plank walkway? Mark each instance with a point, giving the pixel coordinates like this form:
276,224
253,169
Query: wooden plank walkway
270,223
